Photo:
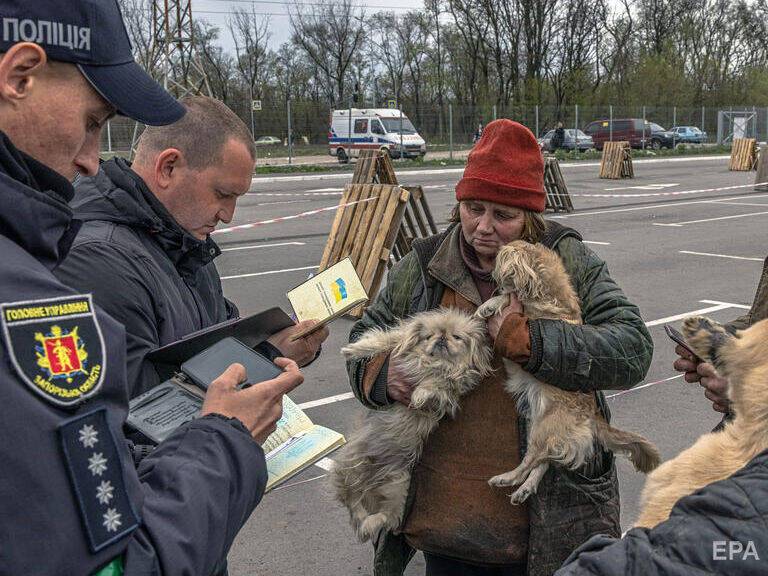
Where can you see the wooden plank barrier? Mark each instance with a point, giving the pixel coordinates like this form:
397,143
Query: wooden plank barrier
365,229
743,155
558,198
374,167
417,222
617,161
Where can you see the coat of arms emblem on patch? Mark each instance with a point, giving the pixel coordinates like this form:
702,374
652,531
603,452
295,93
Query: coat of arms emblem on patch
56,347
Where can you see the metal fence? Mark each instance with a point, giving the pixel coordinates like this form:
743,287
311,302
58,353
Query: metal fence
453,126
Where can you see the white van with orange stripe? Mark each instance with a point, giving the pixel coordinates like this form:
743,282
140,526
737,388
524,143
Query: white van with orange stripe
373,129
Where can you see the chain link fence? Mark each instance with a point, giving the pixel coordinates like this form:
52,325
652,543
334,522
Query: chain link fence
453,127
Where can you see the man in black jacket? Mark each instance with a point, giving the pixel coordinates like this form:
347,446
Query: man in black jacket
71,500
145,251
720,529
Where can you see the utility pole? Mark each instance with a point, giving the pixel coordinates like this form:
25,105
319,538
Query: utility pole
173,33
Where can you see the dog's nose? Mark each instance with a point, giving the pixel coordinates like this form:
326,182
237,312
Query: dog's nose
441,343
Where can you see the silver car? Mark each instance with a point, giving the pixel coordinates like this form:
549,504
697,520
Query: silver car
573,139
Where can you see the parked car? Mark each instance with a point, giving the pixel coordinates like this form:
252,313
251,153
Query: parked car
688,134
633,130
573,139
661,138
268,141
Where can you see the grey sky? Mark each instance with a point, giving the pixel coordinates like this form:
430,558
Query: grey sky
217,12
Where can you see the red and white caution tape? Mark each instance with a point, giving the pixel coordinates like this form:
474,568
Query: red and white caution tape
292,217
676,193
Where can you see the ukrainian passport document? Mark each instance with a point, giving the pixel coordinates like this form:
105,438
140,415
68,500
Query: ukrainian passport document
328,295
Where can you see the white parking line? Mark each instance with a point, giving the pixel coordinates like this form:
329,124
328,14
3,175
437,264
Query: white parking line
325,464
415,173
254,246
676,317
651,207
643,187
268,272
735,203
720,255
678,224
596,242
328,400
730,304
646,385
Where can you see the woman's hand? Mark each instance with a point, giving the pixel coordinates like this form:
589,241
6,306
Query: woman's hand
494,322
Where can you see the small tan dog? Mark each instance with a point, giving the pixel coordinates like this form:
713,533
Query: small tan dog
739,357
563,425
446,354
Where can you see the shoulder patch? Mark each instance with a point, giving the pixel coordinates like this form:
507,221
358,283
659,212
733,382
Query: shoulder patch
56,347
93,464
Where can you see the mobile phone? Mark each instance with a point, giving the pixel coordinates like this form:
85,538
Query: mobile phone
678,338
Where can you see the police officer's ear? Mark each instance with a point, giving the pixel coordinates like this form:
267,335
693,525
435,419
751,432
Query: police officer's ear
167,166
20,68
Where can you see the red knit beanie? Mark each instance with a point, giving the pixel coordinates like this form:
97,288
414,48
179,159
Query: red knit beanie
505,166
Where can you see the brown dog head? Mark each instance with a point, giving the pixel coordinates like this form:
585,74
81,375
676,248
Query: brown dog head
536,275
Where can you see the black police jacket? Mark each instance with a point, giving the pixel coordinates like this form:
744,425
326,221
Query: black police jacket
70,497
146,271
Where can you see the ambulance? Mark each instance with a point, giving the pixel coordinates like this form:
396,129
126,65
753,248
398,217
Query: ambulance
373,129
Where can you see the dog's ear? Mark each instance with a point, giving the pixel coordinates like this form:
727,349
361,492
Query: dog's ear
373,342
707,338
409,334
480,352
516,271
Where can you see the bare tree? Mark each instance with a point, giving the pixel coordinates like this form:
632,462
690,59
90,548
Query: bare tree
330,33
251,35
388,46
218,65
137,15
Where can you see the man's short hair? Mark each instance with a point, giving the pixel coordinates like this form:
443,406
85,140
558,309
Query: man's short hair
200,134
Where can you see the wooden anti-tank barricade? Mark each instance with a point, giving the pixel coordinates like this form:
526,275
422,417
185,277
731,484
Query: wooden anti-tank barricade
417,222
364,229
375,166
617,161
743,155
558,198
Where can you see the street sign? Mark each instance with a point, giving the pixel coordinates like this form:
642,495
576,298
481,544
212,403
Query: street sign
256,105
391,103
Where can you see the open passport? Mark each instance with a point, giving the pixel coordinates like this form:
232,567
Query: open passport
294,445
327,295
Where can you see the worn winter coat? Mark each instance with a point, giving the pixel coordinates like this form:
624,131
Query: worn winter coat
719,529
611,350
146,271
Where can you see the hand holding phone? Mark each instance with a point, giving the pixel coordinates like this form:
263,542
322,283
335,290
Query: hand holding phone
678,338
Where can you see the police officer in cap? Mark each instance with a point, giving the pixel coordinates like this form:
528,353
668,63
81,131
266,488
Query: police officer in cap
71,501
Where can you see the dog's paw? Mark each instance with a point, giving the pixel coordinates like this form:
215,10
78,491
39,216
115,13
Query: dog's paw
507,479
520,495
421,398
705,336
371,525
492,306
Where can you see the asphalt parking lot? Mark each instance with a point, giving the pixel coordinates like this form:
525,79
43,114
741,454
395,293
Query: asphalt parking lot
684,236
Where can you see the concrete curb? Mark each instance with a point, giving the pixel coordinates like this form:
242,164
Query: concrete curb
433,172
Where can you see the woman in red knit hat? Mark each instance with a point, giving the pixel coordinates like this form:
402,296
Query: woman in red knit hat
464,526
